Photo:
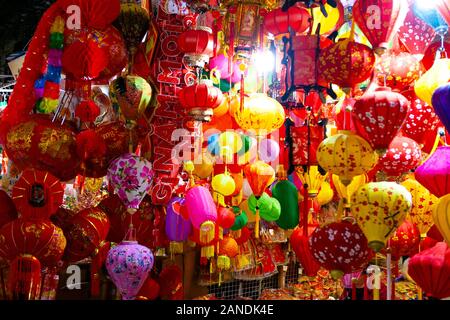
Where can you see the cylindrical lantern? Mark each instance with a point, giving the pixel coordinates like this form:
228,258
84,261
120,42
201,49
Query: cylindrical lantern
279,22
197,46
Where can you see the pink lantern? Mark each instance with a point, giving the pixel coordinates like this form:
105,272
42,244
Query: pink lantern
129,264
434,174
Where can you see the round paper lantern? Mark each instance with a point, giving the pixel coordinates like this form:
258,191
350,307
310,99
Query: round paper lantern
441,103
24,278
346,192
423,202
225,217
420,120
278,21
430,269
434,173
228,247
379,115
84,57
37,194
97,14
260,113
337,154
340,247
200,100
267,207
379,20
223,184
86,232
131,95
260,175
436,76
405,241
197,45
39,143
300,244
8,210
379,208
131,176
346,63
37,237
402,156
441,217
171,283
398,70
128,265
287,195
203,167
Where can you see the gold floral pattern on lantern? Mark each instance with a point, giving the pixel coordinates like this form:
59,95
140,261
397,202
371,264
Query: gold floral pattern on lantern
346,155
56,143
19,138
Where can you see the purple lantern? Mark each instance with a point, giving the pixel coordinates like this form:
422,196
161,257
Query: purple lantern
441,104
177,228
128,265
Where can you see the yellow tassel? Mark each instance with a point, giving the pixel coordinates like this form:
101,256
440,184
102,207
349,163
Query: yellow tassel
207,232
376,294
223,262
176,247
207,252
257,223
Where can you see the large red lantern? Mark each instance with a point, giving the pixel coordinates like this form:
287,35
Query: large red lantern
402,156
278,21
379,20
346,63
95,13
430,269
434,173
379,115
398,70
405,241
200,100
421,118
340,247
197,45
44,145
87,232
8,210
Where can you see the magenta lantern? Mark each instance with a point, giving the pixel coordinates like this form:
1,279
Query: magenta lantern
434,174
129,264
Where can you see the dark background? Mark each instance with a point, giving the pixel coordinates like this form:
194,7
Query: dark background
18,20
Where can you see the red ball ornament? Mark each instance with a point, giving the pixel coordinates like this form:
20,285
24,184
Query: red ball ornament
340,247
379,115
402,156
405,241
398,70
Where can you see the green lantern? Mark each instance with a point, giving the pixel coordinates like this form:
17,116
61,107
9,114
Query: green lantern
240,220
287,194
269,208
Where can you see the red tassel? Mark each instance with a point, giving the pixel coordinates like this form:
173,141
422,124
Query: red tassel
366,290
305,211
353,290
24,279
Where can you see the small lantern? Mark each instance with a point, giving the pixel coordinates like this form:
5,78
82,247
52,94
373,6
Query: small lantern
197,45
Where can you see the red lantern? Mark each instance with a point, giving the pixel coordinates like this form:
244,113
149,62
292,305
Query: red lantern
398,70
346,63
90,145
379,20
37,237
8,210
171,283
87,231
403,155
278,21
430,269
37,194
405,241
149,290
340,247
379,115
225,217
44,145
421,118
97,14
200,99
197,45
300,245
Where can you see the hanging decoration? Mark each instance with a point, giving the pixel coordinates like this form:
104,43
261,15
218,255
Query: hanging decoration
434,173
441,213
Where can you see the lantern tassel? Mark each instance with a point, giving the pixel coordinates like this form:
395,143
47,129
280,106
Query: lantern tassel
257,222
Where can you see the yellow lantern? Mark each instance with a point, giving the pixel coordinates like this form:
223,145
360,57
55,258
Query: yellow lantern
312,178
422,206
223,184
346,192
346,155
436,76
327,23
325,194
203,167
230,140
260,113
441,217
379,208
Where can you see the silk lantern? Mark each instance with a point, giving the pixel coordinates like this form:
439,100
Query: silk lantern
197,46
340,247
420,120
346,63
430,269
279,22
300,244
128,265
379,20
441,217
202,213
438,75
131,176
177,227
434,173
379,208
200,100
379,115
223,184
423,202
405,241
287,194
441,104
269,208
402,156
337,155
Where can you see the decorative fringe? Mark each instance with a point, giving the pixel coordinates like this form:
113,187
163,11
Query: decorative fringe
175,248
24,279
207,232
207,252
